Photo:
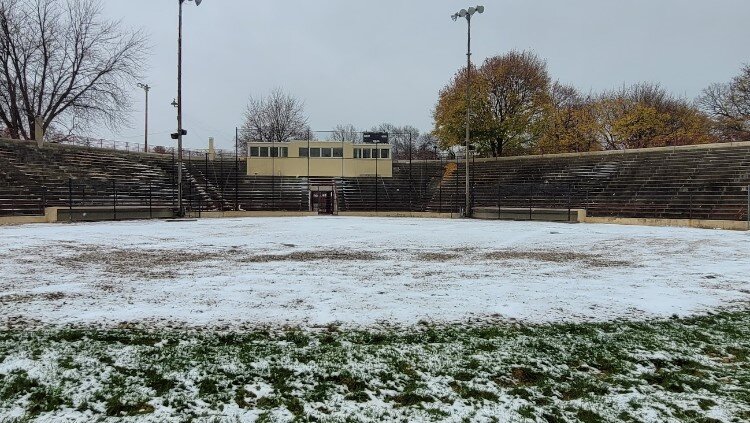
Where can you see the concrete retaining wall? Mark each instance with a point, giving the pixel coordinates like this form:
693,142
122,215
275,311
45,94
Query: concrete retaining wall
227,214
681,223
96,214
92,214
542,215
431,215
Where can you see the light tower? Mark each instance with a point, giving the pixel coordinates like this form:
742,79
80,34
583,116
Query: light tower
180,130
146,89
464,13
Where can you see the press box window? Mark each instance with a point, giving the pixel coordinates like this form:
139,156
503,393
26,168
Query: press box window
303,152
366,153
315,152
384,153
325,152
263,151
357,153
279,151
374,153
338,152
254,151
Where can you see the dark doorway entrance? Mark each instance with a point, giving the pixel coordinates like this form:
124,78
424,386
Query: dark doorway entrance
322,202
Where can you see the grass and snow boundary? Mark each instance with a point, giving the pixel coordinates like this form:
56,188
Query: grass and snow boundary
675,370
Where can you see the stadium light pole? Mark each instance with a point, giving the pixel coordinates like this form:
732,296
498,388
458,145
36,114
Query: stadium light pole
180,130
146,89
464,13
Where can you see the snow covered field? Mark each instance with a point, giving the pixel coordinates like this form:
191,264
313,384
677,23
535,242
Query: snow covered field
314,271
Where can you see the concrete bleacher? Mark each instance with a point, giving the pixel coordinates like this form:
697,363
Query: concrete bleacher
694,182
33,178
698,182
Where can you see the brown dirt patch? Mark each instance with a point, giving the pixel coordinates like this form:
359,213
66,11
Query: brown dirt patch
27,298
333,255
551,256
435,256
140,263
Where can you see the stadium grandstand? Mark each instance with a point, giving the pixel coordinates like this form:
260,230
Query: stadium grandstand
692,182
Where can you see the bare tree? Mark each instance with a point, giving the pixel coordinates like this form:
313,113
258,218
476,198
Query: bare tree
401,139
729,105
279,117
345,133
63,62
426,147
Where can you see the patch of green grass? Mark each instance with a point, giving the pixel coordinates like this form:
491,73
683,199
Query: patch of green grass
675,368
297,337
45,400
117,406
527,411
588,416
352,384
467,392
16,384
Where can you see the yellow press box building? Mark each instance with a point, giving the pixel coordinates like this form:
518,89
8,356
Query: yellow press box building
330,159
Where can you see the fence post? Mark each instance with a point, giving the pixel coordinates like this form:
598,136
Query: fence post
499,191
236,183
70,199
205,176
114,199
570,200
455,189
44,199
221,178
531,202
747,211
376,185
190,192
174,170
411,184
150,202
440,181
273,188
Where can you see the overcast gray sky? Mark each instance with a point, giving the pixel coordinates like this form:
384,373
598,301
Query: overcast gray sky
368,62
